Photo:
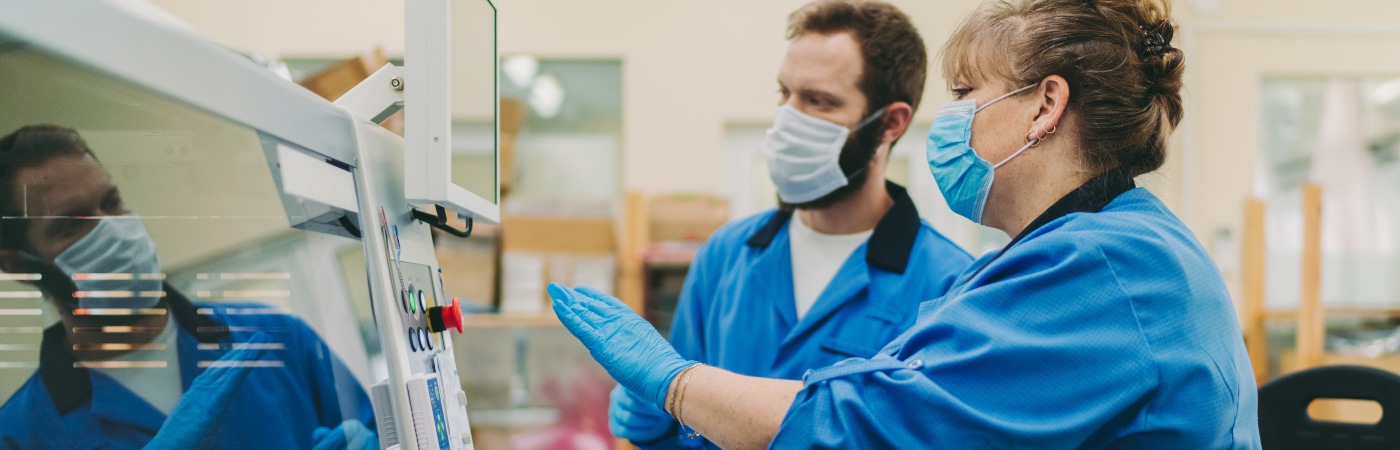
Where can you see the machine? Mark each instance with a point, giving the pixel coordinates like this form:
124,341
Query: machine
247,181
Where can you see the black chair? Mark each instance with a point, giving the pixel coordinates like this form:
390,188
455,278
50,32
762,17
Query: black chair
1284,423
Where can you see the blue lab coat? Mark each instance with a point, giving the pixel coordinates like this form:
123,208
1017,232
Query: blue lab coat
1104,325
738,310
61,406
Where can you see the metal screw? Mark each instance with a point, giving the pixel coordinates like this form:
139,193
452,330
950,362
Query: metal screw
396,83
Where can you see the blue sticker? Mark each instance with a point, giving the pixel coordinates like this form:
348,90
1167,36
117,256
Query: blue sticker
439,419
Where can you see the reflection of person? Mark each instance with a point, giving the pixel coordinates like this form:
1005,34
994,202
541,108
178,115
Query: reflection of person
130,351
1103,324
839,270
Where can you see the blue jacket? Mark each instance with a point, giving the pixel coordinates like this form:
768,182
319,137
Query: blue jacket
1104,325
61,406
738,311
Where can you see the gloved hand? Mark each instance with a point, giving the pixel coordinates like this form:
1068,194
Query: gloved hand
627,346
351,434
633,419
195,421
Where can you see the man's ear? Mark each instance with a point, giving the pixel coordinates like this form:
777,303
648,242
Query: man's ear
896,119
46,277
14,263
10,262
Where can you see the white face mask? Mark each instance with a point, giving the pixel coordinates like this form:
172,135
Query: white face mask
115,265
804,154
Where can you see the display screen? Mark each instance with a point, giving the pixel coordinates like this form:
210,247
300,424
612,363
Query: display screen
476,151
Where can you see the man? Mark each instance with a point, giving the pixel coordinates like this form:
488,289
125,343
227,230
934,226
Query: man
839,269
132,362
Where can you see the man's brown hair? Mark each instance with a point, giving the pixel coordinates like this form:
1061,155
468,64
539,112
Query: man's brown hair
895,60
29,146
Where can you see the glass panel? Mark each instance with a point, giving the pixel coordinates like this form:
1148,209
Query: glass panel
148,266
1340,133
473,94
570,129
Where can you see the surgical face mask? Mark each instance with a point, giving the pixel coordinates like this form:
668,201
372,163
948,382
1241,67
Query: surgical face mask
964,178
804,154
114,266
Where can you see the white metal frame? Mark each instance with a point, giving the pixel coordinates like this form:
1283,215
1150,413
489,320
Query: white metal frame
157,54
428,112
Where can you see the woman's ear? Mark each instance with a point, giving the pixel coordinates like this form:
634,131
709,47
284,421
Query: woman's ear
1054,99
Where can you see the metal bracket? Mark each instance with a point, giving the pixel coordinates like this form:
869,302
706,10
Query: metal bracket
440,221
377,97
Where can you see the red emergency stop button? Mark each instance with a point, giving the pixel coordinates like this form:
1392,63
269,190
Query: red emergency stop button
441,318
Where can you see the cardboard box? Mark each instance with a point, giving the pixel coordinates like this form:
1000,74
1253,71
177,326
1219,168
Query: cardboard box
538,250
513,115
336,80
686,217
523,280
469,266
559,234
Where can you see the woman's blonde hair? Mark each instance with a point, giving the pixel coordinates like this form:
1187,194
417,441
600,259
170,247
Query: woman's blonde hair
1124,76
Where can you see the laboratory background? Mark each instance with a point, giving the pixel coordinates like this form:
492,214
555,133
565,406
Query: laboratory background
630,130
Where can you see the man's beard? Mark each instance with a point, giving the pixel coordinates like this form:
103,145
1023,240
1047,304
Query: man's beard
855,160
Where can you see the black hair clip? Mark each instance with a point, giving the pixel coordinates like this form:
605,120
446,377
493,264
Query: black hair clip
1153,43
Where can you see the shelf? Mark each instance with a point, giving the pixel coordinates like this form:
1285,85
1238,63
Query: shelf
1338,311
668,255
492,320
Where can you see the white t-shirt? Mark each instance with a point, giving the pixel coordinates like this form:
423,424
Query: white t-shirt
159,386
816,258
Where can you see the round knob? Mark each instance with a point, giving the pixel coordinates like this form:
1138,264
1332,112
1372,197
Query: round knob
440,318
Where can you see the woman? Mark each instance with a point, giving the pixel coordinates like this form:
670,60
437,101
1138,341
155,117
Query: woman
1103,324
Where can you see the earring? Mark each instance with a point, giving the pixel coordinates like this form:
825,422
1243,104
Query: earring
1043,135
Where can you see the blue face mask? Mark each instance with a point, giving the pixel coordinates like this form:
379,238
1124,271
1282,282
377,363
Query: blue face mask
804,154
115,265
964,178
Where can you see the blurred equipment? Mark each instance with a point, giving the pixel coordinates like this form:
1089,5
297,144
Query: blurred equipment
542,243
1285,421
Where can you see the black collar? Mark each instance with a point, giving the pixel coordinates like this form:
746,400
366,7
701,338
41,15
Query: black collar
1092,196
890,244
70,386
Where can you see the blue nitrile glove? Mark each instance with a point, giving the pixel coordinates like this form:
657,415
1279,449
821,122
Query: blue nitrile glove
636,420
624,343
351,434
195,421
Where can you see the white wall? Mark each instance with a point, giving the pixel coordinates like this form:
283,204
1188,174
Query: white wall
689,68
692,68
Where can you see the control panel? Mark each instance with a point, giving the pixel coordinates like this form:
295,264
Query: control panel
422,401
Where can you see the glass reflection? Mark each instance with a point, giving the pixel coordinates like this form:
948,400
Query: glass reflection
152,292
